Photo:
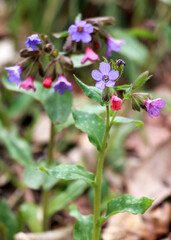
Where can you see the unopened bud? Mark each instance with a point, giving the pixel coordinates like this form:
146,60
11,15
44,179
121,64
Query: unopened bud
28,53
106,95
55,53
66,61
48,47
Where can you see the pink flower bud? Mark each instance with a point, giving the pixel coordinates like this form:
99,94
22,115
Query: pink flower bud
47,83
28,84
116,103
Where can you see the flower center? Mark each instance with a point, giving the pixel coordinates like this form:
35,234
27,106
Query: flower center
80,29
105,78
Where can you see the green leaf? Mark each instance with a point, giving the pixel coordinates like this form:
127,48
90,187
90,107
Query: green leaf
57,106
61,200
61,34
69,172
30,214
119,120
126,203
7,220
83,227
141,79
122,87
17,148
142,33
35,179
91,92
92,124
78,17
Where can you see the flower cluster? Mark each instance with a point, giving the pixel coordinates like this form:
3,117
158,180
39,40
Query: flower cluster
37,47
90,31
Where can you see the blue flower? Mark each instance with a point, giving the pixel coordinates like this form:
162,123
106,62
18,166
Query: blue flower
113,45
14,73
62,84
81,31
33,41
153,107
105,76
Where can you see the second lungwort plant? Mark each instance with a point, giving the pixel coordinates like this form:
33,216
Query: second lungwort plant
98,129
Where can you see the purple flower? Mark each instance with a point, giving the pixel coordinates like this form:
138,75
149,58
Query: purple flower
28,84
14,73
33,41
62,84
81,31
105,76
113,45
153,106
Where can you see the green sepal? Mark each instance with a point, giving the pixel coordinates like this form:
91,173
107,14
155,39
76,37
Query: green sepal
141,79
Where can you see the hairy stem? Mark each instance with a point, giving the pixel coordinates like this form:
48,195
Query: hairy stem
46,193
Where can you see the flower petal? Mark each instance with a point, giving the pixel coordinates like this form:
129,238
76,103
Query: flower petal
155,111
72,29
81,23
88,28
104,68
96,75
100,85
76,37
110,84
158,103
113,75
85,37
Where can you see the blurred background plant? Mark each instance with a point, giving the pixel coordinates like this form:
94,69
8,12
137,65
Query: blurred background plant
146,28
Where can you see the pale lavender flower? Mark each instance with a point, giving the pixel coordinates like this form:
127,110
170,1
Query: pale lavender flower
33,41
14,73
81,31
105,76
62,84
154,106
113,45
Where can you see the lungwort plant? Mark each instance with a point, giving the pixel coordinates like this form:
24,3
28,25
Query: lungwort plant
43,61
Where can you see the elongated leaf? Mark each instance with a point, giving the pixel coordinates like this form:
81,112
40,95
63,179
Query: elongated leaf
57,106
7,220
30,214
83,227
92,124
122,87
91,92
17,148
141,79
61,200
69,172
119,120
36,179
126,203
60,34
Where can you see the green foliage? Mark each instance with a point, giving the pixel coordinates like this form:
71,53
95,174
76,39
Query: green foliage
76,59
57,106
92,124
8,224
69,172
17,148
31,215
35,179
83,226
61,200
119,120
141,79
91,92
126,203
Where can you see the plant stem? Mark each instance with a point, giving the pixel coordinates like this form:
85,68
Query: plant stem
46,193
97,197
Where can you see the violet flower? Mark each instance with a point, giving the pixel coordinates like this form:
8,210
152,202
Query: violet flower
105,76
62,84
33,41
28,84
89,55
154,106
113,45
14,73
81,31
